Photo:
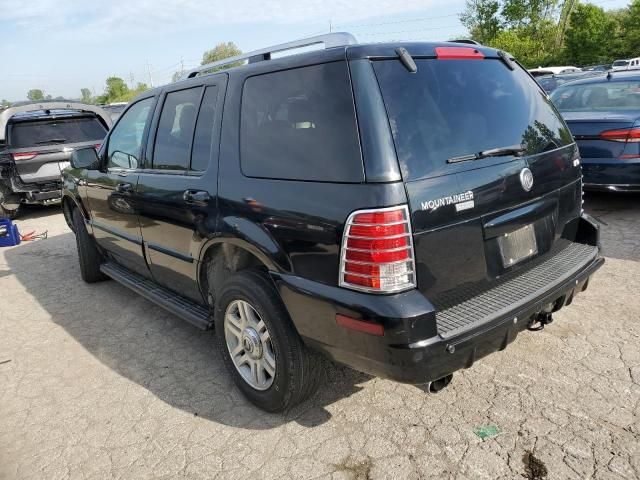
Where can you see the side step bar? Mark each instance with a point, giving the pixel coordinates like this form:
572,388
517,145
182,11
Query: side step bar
176,304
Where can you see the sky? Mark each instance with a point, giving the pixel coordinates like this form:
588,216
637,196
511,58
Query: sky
61,46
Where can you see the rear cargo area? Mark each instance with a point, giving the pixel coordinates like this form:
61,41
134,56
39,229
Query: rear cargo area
493,180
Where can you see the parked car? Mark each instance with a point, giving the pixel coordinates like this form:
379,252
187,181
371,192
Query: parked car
36,141
550,82
630,64
596,68
380,204
540,71
115,109
603,114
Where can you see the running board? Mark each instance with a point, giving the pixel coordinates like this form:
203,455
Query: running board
176,304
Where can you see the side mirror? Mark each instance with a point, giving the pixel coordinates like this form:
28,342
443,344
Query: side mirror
85,158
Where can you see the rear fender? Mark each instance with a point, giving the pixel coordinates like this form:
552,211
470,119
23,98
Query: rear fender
252,237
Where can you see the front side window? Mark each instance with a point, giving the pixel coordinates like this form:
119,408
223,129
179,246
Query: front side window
300,124
175,130
125,142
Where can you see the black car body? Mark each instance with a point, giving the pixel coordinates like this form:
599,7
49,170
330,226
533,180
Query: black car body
603,113
36,141
368,185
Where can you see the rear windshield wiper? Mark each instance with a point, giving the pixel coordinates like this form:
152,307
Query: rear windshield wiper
516,150
52,140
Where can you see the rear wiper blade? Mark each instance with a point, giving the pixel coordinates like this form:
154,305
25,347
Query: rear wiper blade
516,150
52,140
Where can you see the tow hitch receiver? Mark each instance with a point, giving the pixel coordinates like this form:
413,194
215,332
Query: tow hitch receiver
538,322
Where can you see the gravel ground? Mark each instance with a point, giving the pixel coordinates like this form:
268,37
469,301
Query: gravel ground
96,382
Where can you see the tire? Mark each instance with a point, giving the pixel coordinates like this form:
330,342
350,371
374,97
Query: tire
296,372
10,214
88,254
9,202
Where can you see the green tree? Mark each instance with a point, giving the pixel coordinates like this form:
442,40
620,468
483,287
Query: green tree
115,89
631,27
35,94
220,52
5,103
586,40
530,51
86,95
618,45
481,19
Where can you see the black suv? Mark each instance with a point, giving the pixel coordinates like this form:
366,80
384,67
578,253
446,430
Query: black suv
405,209
36,141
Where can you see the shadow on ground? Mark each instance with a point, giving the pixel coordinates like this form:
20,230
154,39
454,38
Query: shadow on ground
178,363
619,217
142,342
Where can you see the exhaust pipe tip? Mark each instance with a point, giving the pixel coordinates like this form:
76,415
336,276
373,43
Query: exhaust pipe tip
439,384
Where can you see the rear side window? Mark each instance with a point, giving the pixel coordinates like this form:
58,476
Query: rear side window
202,140
55,132
455,108
175,130
300,124
602,96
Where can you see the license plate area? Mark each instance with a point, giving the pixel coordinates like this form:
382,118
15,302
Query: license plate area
518,245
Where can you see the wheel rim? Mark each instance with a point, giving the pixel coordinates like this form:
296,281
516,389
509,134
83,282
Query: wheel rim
249,345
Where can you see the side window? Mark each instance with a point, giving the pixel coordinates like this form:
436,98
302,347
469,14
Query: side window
175,130
300,124
125,142
202,140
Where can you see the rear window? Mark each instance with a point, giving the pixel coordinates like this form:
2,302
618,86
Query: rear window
454,108
604,96
55,132
620,63
300,124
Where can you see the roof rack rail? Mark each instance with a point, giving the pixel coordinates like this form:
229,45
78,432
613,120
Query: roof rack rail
330,40
465,40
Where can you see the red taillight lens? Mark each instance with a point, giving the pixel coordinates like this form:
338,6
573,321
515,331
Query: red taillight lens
621,135
392,216
377,244
458,53
378,230
24,156
378,256
377,251
97,146
360,325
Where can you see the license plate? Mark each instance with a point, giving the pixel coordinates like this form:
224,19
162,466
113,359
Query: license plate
518,245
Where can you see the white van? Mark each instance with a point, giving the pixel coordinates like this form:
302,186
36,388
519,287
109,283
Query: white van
628,64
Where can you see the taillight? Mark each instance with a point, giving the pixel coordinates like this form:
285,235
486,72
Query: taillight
24,156
621,135
97,146
377,251
458,53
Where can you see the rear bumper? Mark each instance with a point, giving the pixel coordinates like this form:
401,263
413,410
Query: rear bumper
412,349
611,174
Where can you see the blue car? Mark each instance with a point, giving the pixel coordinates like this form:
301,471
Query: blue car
603,114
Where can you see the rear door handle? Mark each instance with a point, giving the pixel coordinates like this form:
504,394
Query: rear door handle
196,197
124,187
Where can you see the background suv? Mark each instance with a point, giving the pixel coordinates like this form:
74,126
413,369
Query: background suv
405,209
36,140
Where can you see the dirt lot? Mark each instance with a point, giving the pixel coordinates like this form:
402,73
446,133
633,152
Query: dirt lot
96,382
